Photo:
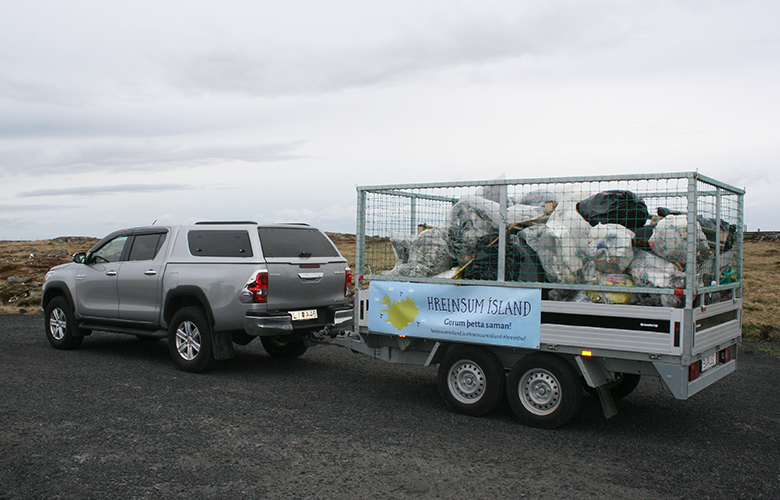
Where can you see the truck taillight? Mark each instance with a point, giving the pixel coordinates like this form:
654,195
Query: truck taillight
258,287
347,281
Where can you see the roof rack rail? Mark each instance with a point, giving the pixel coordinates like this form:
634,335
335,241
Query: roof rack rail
225,222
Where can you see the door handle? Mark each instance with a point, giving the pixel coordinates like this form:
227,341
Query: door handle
110,273
150,272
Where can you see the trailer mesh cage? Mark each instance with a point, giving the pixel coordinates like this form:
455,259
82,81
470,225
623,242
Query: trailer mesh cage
657,239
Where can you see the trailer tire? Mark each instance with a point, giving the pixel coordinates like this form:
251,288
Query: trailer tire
623,385
471,380
544,391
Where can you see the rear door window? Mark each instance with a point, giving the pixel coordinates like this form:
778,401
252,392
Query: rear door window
295,242
146,246
219,243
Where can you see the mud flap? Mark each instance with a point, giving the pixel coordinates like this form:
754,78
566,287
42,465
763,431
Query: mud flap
597,376
222,345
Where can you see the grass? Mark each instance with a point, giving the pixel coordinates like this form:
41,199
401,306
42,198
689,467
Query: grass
29,260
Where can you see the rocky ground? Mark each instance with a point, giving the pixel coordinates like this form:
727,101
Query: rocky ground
115,419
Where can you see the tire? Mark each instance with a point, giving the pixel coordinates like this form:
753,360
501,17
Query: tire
544,391
623,385
471,380
60,324
284,346
189,340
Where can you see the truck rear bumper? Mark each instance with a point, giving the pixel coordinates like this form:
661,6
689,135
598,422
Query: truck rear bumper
272,325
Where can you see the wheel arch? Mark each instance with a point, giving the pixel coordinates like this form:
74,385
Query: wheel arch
57,289
185,296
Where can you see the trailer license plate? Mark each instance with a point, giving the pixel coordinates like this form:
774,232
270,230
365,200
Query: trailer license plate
709,361
303,315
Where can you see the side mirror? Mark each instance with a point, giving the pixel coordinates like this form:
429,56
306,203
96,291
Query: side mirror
79,257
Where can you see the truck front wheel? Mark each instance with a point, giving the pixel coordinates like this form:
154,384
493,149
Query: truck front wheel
61,324
471,380
189,340
544,391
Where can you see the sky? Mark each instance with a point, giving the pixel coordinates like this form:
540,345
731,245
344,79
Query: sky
117,114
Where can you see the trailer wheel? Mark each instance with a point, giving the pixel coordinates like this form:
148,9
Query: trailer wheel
471,380
623,385
544,391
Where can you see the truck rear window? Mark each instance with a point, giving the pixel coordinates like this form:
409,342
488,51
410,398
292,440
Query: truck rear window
295,242
219,243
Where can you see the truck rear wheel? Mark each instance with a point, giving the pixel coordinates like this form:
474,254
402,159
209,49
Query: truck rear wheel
544,391
189,340
61,324
471,380
284,346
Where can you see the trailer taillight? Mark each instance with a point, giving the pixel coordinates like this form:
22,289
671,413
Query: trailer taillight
258,287
694,371
347,281
725,355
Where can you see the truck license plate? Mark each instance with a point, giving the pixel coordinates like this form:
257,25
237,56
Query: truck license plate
709,361
303,315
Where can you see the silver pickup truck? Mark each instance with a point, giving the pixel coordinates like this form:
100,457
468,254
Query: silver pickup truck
202,287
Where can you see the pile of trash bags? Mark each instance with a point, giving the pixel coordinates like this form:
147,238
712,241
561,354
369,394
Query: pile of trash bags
606,239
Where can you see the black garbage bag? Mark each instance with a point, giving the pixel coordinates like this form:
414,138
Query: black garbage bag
522,263
614,207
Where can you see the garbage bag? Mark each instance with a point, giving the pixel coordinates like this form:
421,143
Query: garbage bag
521,213
540,197
428,256
593,276
670,239
649,270
614,207
471,218
549,252
400,244
571,233
521,262
610,248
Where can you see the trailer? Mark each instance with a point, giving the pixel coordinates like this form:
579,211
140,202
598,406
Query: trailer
539,290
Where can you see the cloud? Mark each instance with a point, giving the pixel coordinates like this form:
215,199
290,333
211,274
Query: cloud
122,155
103,190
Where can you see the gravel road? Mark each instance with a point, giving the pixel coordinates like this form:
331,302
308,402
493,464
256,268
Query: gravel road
115,419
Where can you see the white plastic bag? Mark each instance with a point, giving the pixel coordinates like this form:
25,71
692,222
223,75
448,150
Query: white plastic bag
428,256
610,248
470,219
649,270
571,232
670,238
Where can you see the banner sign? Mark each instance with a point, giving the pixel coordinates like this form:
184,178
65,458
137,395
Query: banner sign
477,314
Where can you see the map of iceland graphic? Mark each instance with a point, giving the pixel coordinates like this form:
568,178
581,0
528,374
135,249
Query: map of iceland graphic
400,313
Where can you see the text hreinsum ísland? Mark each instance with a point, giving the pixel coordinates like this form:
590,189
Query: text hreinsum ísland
490,306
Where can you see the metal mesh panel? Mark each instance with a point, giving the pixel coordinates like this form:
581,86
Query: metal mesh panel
623,239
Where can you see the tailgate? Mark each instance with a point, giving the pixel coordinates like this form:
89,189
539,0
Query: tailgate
305,269
304,284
